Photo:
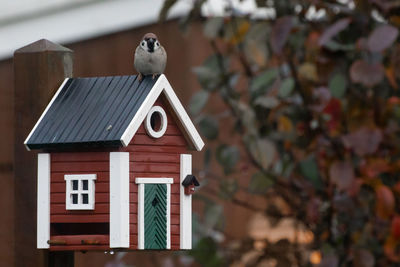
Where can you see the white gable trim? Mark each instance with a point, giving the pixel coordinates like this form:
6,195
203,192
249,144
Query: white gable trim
162,85
45,111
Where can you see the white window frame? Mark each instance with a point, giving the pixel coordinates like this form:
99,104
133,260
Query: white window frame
90,191
141,182
164,122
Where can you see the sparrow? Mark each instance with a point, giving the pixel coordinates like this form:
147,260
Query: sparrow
150,56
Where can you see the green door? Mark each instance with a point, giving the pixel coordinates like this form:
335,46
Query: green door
155,216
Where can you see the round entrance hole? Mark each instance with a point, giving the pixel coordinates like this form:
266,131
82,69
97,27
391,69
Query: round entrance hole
156,122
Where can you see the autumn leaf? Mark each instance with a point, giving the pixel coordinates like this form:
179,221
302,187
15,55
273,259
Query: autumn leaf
364,141
308,71
368,74
334,109
395,227
342,174
390,75
374,167
382,37
333,30
391,249
385,202
284,124
280,33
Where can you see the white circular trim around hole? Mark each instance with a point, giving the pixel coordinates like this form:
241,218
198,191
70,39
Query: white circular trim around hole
164,122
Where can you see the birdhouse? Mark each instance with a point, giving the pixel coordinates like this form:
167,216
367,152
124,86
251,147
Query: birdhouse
113,166
190,182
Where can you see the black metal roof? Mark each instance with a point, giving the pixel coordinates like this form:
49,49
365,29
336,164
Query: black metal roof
89,112
190,180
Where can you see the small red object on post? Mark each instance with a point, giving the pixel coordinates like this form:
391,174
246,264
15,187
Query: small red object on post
189,183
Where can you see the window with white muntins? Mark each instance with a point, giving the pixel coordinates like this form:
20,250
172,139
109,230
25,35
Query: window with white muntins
80,191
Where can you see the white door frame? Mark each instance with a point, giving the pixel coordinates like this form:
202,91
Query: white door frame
141,182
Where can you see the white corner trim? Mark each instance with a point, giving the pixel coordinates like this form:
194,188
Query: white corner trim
154,180
141,192
119,200
164,122
185,205
45,111
161,85
43,201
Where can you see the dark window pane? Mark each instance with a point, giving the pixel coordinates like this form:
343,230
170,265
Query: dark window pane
85,185
74,198
85,199
74,184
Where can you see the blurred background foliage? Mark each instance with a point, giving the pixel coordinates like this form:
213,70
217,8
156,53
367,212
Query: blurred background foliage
311,91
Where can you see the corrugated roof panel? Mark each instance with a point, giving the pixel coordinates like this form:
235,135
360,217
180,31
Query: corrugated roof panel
91,111
121,123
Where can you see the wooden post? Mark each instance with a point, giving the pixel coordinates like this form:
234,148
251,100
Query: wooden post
39,68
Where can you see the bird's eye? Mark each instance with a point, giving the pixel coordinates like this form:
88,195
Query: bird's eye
143,43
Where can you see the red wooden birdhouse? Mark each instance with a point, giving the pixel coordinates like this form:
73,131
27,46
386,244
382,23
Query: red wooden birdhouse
190,182
113,166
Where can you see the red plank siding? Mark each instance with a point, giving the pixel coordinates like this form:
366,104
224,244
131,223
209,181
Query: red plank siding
79,218
63,163
101,177
59,198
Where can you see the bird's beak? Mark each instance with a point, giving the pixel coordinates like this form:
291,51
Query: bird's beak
150,44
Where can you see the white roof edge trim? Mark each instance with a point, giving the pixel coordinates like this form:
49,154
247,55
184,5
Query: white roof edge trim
183,116
44,112
162,85
142,112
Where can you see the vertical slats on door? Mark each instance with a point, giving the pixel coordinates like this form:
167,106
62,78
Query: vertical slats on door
155,218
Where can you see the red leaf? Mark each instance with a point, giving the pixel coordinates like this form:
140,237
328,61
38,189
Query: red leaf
385,202
382,37
333,30
364,141
333,109
395,227
366,73
393,100
390,249
342,174
374,167
280,33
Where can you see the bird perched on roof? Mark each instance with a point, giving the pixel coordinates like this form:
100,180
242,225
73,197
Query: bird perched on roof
150,56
